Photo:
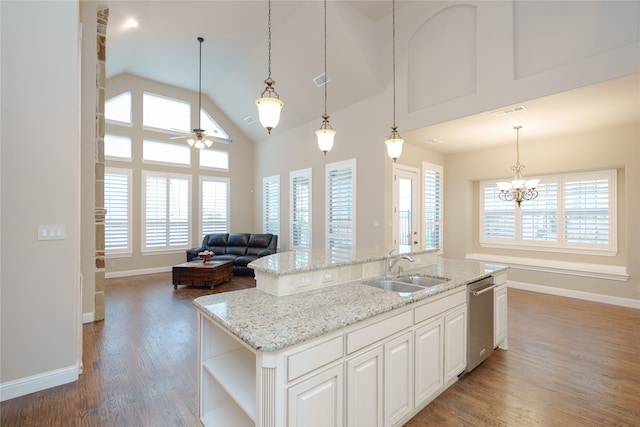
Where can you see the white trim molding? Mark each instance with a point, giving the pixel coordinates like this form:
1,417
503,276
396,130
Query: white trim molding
599,271
38,382
140,272
588,296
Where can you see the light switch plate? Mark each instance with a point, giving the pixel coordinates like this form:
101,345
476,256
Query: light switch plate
51,232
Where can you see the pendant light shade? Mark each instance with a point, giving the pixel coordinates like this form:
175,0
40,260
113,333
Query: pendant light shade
269,103
394,144
325,134
394,141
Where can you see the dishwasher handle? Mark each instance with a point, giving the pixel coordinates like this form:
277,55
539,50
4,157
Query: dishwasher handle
483,290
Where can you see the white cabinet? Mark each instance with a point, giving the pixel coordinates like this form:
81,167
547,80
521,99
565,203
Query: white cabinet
398,378
429,359
455,343
365,389
500,317
318,400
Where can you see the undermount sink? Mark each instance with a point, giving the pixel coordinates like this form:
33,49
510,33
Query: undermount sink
395,286
422,280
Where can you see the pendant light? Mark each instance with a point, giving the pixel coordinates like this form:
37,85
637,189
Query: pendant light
394,141
326,133
519,189
269,103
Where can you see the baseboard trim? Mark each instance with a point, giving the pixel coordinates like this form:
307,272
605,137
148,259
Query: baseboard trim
588,296
127,273
88,317
45,380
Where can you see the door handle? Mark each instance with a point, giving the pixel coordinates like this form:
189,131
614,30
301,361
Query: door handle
487,289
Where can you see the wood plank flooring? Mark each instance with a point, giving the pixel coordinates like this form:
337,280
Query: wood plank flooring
569,363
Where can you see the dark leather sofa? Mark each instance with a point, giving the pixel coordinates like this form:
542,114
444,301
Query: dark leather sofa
241,248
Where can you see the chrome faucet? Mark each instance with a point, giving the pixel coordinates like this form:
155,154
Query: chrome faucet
392,262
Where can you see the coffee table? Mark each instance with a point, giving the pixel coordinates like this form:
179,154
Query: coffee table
198,273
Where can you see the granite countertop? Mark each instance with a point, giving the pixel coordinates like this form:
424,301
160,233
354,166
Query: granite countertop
269,323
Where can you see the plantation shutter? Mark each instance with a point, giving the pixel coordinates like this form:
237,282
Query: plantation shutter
116,202
178,212
167,209
340,209
215,206
499,216
540,215
586,213
155,212
300,200
432,209
271,204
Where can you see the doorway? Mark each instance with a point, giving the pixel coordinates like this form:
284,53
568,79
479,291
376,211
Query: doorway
406,212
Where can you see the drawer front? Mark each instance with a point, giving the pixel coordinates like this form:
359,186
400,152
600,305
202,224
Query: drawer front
377,331
433,308
305,361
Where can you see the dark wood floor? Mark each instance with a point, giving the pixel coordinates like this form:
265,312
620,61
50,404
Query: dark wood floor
570,363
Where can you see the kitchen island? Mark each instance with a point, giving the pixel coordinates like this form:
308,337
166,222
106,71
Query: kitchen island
317,346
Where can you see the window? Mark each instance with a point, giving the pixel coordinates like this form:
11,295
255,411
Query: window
300,209
216,159
165,152
208,123
165,113
117,147
341,209
117,202
432,215
214,209
118,109
572,213
271,204
166,211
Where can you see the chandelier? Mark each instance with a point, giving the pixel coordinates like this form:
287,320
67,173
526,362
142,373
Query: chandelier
519,189
394,141
326,133
269,103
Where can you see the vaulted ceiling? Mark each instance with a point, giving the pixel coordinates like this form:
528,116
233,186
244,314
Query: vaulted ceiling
164,48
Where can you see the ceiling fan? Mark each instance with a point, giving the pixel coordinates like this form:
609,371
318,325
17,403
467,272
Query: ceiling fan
199,137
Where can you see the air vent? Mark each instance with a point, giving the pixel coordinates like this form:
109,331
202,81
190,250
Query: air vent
433,141
321,80
509,111
249,120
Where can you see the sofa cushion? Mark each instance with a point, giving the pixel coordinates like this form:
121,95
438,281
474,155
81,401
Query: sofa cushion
217,239
238,239
242,261
260,240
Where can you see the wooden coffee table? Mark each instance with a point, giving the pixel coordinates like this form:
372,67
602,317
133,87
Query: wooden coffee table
198,273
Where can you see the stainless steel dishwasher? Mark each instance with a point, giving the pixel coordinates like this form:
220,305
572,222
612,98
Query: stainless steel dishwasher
480,323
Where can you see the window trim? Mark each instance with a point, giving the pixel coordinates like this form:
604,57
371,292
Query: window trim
560,246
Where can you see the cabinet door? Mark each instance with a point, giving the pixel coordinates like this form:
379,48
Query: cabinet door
429,359
500,317
455,341
398,374
318,400
364,389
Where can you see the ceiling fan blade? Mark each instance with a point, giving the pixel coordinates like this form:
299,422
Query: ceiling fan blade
180,137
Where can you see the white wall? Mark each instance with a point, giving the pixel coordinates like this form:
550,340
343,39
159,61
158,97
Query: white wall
40,316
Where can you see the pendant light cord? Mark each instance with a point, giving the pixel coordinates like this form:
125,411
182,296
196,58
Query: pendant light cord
393,36
200,39
325,57
269,43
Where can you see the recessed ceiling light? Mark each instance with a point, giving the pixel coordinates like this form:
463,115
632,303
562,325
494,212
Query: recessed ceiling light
131,23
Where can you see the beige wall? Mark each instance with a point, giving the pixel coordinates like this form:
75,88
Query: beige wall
241,174
40,280
613,148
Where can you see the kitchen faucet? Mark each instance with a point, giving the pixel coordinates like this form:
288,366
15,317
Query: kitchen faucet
391,263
